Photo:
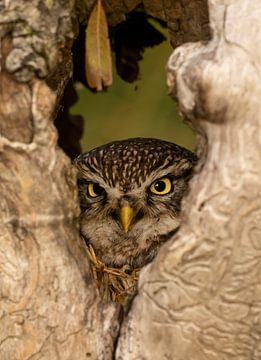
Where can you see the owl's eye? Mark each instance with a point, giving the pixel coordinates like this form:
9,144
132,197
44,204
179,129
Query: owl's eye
94,190
161,187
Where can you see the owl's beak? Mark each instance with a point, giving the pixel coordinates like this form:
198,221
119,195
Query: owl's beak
126,216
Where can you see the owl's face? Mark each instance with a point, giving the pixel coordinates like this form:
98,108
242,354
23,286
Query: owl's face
130,196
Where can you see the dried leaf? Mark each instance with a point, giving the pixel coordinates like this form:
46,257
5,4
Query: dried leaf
97,50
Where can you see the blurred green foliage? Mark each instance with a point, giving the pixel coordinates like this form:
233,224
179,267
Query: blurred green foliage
141,109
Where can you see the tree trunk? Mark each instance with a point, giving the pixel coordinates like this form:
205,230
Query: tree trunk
201,297
49,307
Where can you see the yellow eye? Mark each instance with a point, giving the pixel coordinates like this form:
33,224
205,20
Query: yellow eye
94,190
161,187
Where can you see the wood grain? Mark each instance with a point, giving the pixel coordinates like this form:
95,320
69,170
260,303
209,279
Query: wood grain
201,297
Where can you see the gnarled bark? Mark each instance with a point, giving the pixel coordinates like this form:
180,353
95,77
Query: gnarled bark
49,307
201,297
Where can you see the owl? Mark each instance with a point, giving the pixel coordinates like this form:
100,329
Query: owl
130,197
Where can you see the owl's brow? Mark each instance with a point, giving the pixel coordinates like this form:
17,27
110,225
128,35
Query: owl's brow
91,177
84,167
175,169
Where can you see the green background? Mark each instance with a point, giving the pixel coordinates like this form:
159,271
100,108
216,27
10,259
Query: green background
128,110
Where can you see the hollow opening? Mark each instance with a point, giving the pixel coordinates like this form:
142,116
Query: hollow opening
136,105
141,107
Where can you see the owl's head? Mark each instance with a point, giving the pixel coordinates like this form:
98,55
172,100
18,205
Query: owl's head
130,197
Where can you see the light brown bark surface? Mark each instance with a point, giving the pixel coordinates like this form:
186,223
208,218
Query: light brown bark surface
49,307
201,297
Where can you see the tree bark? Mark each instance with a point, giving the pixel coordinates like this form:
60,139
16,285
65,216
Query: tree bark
201,297
186,20
49,307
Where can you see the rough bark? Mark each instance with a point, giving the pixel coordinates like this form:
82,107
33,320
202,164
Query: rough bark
186,20
201,297
49,307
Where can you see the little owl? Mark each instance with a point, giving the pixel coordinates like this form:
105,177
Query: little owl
130,197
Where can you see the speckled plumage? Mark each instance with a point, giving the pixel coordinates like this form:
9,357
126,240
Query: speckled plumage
125,170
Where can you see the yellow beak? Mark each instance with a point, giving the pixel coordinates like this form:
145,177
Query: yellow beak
126,216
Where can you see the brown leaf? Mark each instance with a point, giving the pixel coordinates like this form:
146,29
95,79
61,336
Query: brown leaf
97,50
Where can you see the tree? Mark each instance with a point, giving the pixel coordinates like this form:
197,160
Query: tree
200,298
